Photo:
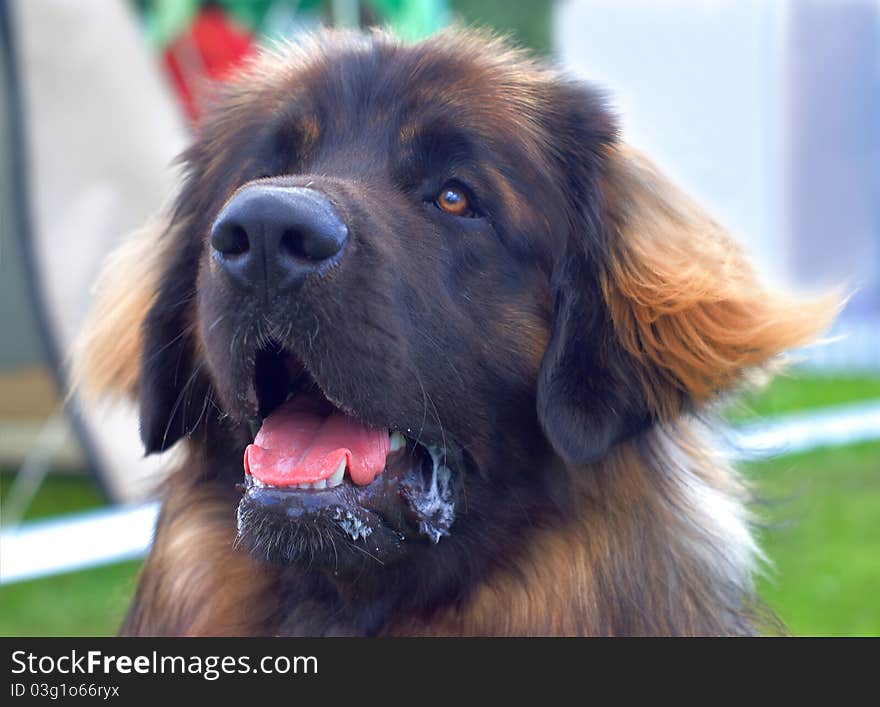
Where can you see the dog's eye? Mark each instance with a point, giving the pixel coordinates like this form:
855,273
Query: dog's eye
453,199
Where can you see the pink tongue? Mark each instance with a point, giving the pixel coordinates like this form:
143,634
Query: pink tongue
298,444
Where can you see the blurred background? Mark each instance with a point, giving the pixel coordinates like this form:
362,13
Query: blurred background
767,112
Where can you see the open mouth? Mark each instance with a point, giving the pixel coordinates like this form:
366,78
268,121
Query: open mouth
315,470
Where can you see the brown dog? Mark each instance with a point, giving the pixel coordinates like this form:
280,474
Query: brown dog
461,336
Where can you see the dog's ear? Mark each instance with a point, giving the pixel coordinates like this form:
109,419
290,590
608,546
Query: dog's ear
172,386
656,308
685,303
587,396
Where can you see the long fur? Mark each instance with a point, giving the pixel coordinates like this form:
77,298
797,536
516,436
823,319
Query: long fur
662,541
107,355
683,298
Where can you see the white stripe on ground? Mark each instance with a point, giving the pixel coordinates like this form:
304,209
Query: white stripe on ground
74,542
803,431
79,541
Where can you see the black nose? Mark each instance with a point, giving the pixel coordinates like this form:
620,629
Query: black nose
275,237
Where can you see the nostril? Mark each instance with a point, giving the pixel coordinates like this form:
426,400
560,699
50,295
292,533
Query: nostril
275,237
314,243
292,243
230,239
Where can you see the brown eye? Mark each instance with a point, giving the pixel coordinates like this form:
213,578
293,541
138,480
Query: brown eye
453,200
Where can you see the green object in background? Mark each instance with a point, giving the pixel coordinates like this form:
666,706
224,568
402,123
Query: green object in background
823,539
529,22
88,603
412,19
61,493
796,390
164,20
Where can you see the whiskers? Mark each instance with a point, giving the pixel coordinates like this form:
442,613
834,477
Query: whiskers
318,543
183,398
428,400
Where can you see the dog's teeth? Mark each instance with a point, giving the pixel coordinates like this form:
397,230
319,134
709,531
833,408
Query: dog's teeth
337,476
304,485
319,484
397,441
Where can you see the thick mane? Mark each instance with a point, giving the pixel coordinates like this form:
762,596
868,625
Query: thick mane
638,525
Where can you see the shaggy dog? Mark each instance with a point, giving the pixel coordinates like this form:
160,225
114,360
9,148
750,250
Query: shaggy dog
438,351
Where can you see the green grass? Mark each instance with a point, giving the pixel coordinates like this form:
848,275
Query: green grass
62,493
824,539
87,603
823,535
798,391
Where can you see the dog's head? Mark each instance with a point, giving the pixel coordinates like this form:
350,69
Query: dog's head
408,294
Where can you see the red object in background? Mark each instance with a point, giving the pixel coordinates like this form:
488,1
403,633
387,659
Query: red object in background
211,47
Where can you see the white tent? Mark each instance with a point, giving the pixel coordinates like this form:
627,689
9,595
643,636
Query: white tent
98,135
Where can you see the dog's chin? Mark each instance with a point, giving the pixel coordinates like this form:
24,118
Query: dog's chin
349,528
343,523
